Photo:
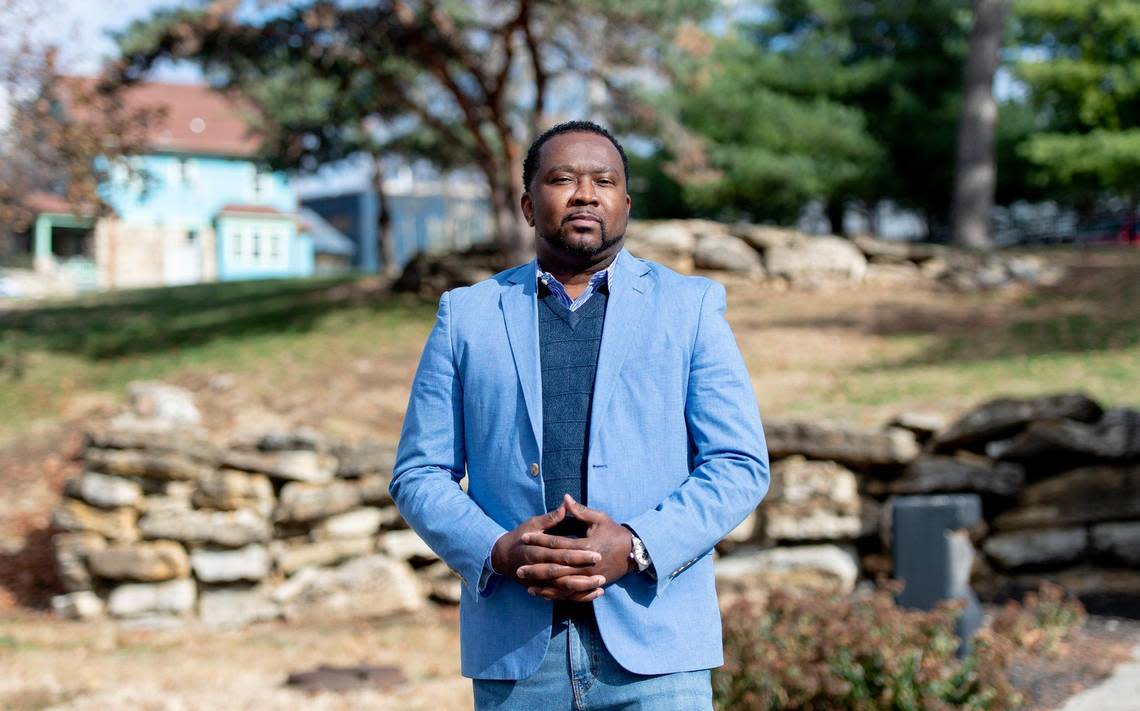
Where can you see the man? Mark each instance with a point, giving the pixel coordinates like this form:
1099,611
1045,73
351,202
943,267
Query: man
600,407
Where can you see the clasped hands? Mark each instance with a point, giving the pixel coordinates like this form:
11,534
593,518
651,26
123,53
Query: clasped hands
562,568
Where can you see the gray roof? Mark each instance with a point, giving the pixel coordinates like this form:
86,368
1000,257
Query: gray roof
326,238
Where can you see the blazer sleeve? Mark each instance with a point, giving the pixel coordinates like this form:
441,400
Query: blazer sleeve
431,461
729,473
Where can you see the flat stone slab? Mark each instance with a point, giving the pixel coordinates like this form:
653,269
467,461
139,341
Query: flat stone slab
146,561
228,565
231,529
174,597
105,490
116,524
1005,417
839,443
1079,496
301,502
1054,547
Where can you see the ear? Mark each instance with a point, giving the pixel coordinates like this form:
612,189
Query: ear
528,208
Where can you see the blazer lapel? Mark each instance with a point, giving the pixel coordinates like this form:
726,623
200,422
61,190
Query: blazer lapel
628,295
520,312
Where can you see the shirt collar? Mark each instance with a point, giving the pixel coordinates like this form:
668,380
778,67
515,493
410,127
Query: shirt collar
595,280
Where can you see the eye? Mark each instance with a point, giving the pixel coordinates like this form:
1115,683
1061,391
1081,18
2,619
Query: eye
605,181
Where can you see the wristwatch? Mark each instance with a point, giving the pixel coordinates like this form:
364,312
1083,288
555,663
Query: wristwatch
639,555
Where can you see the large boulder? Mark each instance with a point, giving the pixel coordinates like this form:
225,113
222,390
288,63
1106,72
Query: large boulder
290,557
407,545
813,568
232,529
934,474
231,489
105,490
815,260
72,551
157,465
151,562
815,500
897,252
1086,495
173,597
370,586
303,465
227,565
1120,540
663,241
78,605
727,253
1005,417
1116,436
357,523
146,435
163,402
1054,547
846,445
116,524
765,237
300,502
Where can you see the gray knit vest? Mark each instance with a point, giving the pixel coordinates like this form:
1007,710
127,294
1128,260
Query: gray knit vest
569,342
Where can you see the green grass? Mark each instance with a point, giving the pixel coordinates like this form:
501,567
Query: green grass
100,343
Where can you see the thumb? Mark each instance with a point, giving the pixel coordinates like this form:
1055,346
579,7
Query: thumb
547,520
583,513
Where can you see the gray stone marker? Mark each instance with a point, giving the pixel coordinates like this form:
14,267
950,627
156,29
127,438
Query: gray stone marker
933,554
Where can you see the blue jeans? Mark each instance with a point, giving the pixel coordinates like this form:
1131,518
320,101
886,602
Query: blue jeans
578,674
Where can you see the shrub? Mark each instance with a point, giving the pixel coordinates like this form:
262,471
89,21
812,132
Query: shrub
823,654
1042,622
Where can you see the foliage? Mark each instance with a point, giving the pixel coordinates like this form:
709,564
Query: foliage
1042,621
1081,63
867,654
773,145
478,76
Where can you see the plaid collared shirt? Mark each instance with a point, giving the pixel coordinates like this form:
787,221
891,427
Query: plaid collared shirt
559,291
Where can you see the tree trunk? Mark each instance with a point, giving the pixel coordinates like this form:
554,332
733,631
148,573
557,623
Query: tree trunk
512,234
975,172
836,208
384,227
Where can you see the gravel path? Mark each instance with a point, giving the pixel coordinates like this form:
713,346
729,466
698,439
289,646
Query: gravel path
1119,692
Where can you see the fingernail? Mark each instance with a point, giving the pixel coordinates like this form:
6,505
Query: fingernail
530,591
597,557
601,581
526,538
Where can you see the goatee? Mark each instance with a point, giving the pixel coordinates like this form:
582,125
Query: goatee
558,241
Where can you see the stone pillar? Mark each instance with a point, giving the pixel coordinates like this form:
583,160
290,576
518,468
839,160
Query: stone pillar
933,554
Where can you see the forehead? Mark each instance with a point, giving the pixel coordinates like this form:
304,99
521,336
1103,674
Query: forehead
579,148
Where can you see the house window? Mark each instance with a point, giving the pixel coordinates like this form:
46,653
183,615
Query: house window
255,251
186,172
275,246
191,236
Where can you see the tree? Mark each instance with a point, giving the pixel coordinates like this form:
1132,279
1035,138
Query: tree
975,178
1080,61
774,134
477,75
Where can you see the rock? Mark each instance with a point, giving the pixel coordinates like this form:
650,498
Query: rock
815,568
1121,540
660,241
232,489
936,474
442,583
153,623
727,253
765,237
294,465
71,553
1115,436
848,446
155,437
356,523
814,260
104,490
79,605
371,586
897,252
158,465
160,401
813,500
303,439
374,489
232,529
306,502
892,274
368,458
1085,495
1051,546
116,524
407,545
230,564
291,557
935,268
1005,417
138,599
146,562
746,530
231,608
924,425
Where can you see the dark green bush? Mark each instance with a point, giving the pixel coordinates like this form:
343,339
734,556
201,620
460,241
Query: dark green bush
801,653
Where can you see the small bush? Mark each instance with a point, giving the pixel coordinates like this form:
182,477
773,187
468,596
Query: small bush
1042,622
824,654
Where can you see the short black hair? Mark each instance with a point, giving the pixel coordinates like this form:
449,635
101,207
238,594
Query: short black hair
530,164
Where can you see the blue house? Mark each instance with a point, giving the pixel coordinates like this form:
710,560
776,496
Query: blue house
195,206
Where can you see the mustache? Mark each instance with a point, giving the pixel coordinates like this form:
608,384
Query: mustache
583,213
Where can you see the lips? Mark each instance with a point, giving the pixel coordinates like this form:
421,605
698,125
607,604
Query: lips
582,217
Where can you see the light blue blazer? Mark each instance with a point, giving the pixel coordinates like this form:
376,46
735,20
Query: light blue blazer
676,452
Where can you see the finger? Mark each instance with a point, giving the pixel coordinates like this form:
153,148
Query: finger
546,571
546,540
578,558
583,513
554,594
546,520
567,585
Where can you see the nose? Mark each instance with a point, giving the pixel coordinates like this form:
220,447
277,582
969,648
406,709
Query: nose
584,192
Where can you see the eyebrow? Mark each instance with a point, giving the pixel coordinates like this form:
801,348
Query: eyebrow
584,168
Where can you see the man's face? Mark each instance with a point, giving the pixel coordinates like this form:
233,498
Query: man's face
577,202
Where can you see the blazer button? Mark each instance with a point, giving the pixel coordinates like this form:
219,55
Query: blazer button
534,469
